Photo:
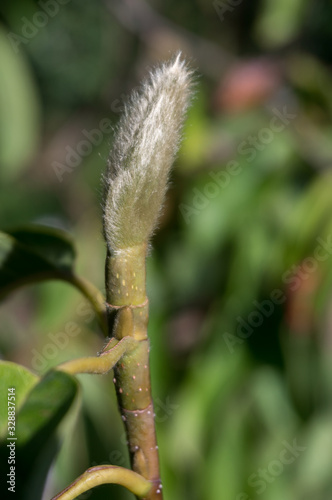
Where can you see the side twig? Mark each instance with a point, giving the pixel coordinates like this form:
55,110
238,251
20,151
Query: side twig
105,474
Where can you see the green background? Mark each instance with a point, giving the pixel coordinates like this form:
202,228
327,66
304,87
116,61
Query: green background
232,382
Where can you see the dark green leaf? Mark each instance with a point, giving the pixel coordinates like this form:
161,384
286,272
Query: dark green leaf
45,406
34,253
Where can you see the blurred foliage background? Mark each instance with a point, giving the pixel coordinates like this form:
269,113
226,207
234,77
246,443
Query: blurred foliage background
240,274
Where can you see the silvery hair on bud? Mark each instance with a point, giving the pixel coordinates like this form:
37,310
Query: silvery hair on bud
146,141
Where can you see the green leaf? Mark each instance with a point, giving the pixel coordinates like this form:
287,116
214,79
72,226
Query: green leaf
44,408
314,468
34,253
54,245
36,422
19,110
280,22
38,253
19,377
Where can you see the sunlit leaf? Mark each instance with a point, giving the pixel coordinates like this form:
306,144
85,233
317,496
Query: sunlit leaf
36,421
279,22
19,120
19,378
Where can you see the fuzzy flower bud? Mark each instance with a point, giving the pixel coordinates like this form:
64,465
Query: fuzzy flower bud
146,141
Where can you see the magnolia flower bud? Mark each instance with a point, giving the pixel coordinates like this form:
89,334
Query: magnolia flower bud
146,141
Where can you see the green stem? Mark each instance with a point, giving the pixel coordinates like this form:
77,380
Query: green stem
103,363
128,316
105,474
94,296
